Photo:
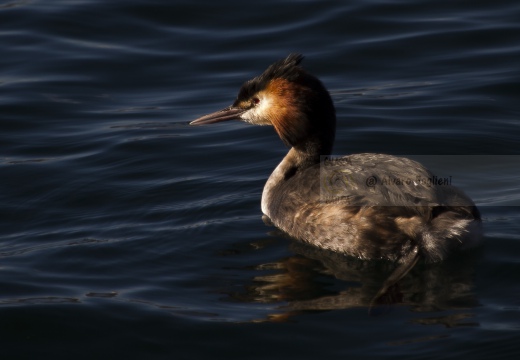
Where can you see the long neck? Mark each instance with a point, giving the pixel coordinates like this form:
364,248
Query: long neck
303,116
309,138
290,164
311,151
305,152
295,161
309,127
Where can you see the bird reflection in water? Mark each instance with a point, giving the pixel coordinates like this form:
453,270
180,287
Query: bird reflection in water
320,280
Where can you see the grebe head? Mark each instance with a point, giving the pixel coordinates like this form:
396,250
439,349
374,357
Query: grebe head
293,101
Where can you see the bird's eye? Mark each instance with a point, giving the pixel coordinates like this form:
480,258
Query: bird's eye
255,101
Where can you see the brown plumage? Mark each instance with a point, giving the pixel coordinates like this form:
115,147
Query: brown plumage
328,203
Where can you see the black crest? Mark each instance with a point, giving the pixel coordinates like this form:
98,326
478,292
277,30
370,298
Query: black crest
287,68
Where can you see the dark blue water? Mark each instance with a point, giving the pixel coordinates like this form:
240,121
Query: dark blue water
126,233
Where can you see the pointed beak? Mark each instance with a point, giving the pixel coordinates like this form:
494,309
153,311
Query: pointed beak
229,113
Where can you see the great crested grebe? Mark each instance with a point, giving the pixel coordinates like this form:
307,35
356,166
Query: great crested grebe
328,202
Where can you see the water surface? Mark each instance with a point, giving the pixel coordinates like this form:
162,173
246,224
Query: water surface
127,233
